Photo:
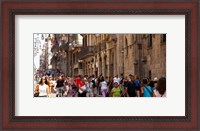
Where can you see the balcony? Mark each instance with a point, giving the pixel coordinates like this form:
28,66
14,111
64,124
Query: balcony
86,52
100,47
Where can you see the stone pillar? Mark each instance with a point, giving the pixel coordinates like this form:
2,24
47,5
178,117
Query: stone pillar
104,64
100,64
108,62
96,66
112,62
115,59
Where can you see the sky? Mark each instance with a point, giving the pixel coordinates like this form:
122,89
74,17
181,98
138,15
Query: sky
37,57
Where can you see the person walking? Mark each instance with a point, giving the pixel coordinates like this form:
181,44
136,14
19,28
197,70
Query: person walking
110,85
146,90
103,85
89,87
151,84
161,88
60,86
125,85
116,91
42,89
137,86
131,87
80,84
94,85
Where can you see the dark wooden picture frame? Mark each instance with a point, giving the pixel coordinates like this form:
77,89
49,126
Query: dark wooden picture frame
10,8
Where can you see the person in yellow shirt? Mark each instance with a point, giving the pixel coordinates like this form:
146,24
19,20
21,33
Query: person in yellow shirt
116,90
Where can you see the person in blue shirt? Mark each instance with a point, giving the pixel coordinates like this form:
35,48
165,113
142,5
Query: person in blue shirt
146,90
151,84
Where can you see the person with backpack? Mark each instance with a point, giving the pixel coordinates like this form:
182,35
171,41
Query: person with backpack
94,85
137,86
131,87
151,84
60,86
145,89
122,79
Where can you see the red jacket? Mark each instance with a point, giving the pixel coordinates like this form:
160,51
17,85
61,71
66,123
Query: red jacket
78,82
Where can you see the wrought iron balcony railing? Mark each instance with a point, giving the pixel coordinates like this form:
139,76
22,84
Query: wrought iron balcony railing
85,52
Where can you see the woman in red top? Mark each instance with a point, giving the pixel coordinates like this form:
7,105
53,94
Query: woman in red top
80,84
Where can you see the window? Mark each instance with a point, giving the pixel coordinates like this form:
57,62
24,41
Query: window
80,66
163,39
85,41
150,41
126,46
150,74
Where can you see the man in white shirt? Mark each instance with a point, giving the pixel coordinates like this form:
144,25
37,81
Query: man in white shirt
116,79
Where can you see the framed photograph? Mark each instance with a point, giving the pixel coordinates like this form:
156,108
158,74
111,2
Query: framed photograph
84,65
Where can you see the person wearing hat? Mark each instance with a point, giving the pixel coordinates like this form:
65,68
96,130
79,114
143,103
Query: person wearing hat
116,91
155,80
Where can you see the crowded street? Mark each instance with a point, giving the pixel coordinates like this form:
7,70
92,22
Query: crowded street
90,86
99,65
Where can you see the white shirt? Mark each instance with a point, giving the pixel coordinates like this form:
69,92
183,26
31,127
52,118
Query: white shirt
116,79
103,85
43,90
157,94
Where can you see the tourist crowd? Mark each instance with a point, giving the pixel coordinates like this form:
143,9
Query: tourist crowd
91,86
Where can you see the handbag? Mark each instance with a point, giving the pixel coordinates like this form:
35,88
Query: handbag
83,88
36,94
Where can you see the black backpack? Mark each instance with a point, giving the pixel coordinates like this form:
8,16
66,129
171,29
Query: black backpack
94,84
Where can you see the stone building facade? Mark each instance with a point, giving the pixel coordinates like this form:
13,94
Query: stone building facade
65,50
143,55
87,53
